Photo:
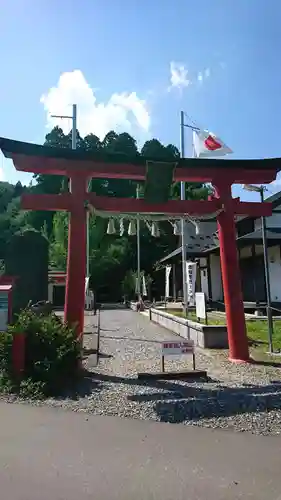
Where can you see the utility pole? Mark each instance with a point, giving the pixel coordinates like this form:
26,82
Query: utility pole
74,145
74,124
183,249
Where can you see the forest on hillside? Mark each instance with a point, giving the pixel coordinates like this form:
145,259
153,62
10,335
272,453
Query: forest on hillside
110,255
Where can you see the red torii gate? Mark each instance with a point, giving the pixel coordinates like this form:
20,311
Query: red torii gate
81,166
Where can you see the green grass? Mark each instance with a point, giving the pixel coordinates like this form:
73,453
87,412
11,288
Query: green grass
257,330
212,320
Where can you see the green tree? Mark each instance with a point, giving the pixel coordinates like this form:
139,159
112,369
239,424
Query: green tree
125,144
155,150
6,195
12,218
120,144
50,184
18,190
58,246
92,143
108,143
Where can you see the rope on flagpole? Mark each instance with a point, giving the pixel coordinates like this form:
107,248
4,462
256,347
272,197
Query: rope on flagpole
193,126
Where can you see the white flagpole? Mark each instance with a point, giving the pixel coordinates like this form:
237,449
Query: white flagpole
138,251
193,147
183,250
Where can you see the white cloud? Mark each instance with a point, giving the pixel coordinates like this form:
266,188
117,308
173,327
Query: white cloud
124,112
203,75
179,76
275,186
207,72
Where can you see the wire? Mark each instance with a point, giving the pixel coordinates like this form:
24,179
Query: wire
191,120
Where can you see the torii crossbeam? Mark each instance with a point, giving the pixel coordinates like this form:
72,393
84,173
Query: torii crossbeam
81,166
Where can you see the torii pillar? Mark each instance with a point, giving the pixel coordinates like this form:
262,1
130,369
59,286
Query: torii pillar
231,276
74,203
76,255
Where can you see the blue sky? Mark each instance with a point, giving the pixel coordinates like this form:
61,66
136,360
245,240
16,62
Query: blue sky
115,59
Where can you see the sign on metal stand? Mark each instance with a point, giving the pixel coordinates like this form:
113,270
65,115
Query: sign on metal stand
177,349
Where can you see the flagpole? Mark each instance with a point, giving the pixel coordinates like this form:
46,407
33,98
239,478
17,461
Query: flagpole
138,250
183,250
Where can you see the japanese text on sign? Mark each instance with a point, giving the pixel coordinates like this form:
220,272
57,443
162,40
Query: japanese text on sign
191,280
177,348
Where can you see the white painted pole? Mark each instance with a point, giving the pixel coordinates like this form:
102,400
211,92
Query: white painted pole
74,126
138,250
183,249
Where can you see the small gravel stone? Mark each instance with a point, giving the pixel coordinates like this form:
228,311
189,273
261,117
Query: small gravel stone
238,397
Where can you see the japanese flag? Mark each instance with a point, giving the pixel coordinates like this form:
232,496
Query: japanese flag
206,144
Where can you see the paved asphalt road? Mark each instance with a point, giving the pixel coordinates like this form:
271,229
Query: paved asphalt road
53,454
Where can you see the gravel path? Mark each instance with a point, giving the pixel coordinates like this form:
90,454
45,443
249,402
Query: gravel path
240,397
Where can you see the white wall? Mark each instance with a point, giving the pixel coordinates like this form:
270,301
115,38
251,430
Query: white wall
274,256
216,281
204,282
275,273
204,277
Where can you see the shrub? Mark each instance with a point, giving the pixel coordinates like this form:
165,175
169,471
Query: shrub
51,356
6,341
